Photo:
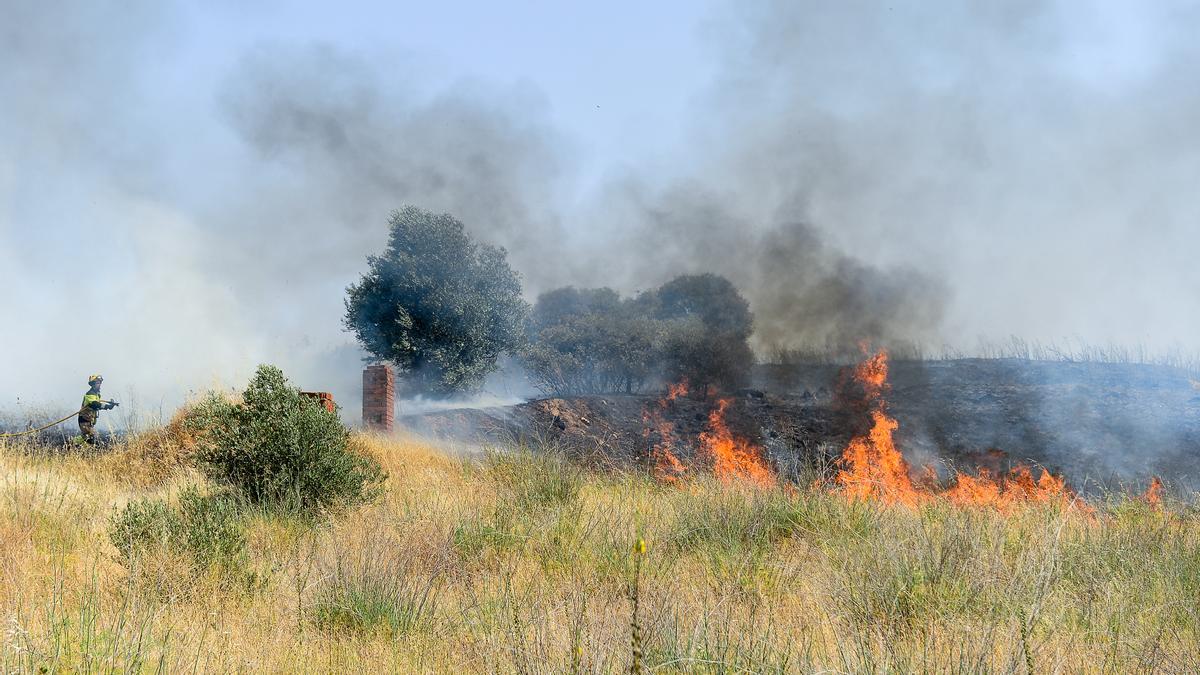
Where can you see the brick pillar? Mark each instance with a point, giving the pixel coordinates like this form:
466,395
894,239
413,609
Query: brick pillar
379,398
323,397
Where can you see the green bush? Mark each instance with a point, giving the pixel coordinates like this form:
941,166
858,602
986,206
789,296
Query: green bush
707,325
143,525
212,530
586,341
207,528
281,450
591,340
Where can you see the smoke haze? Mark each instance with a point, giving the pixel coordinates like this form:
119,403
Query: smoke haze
909,171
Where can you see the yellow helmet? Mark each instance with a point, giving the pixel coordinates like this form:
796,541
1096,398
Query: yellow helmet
93,379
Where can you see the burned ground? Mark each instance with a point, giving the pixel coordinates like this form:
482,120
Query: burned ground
1098,424
616,428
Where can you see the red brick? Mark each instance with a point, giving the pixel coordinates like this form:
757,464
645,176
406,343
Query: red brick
324,397
379,398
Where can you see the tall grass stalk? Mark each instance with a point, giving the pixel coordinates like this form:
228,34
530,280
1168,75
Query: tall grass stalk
521,563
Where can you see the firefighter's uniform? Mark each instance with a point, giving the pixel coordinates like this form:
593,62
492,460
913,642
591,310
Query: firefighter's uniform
89,410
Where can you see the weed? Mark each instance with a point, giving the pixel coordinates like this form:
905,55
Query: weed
531,480
522,563
472,539
366,597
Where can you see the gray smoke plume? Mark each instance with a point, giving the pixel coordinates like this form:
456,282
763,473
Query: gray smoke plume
920,171
176,237
963,171
1031,157
326,123
804,294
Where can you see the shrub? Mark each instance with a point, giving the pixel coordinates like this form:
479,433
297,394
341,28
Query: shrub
692,352
206,528
212,529
142,525
281,450
589,341
707,324
694,327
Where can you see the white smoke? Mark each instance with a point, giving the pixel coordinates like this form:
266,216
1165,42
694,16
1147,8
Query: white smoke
933,171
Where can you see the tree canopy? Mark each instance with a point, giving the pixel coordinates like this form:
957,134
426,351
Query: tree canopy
694,327
589,341
709,298
436,304
707,325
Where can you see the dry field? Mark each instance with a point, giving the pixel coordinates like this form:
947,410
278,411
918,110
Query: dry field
519,562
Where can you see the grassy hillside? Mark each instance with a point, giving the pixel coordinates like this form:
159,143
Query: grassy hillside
522,563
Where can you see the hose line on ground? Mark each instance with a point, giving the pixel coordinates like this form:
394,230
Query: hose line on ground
42,428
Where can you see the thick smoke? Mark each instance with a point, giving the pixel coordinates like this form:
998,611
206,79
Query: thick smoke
805,294
965,171
919,171
1033,157
358,147
174,239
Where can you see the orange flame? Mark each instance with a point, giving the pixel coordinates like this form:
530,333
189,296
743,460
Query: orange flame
873,468
732,458
667,466
1018,487
872,374
1153,494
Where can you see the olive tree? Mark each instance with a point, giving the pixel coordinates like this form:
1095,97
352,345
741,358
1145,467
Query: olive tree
439,306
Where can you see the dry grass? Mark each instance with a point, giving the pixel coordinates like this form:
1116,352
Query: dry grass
153,457
520,563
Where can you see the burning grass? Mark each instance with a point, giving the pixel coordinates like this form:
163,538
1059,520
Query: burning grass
520,562
724,454
873,468
870,468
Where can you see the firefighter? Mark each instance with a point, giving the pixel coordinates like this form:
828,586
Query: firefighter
89,411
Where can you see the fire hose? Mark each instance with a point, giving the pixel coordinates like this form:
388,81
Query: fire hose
43,428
